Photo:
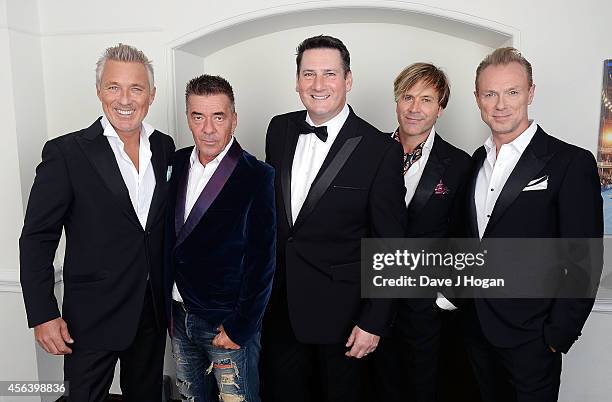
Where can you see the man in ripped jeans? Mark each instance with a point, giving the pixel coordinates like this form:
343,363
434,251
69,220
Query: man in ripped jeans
220,251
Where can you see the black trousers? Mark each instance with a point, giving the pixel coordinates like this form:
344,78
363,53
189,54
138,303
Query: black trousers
90,372
405,365
298,372
530,372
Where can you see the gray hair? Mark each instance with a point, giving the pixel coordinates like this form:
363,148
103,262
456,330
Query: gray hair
127,54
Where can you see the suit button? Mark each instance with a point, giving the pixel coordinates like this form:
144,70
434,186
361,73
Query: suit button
290,239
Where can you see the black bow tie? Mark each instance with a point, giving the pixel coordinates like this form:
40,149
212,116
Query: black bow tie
320,132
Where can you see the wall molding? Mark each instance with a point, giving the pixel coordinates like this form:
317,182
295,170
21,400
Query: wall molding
9,280
228,31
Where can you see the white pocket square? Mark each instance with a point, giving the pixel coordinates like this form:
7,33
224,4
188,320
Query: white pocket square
537,184
168,173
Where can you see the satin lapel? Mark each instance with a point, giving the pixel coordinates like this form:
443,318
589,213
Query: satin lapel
532,161
287,165
211,191
179,208
159,169
479,158
432,174
99,152
340,151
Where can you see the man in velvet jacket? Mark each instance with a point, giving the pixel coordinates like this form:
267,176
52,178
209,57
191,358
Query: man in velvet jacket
220,251
527,184
106,186
338,180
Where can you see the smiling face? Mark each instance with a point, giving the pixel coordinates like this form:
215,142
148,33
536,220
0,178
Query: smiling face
417,111
126,95
322,83
212,123
503,95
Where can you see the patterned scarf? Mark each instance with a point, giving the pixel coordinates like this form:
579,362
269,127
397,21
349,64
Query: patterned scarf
411,157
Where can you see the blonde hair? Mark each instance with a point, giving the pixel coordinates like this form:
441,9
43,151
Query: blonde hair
503,56
431,76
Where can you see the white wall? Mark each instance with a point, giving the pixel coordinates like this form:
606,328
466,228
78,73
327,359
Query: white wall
48,89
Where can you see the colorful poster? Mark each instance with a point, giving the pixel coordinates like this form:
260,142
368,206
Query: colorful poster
604,151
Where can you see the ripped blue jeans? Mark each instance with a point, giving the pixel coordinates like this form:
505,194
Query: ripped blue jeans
205,373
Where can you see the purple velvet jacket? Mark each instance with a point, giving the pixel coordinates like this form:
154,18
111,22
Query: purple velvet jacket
222,257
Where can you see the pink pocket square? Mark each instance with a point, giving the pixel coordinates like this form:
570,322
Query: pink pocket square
441,189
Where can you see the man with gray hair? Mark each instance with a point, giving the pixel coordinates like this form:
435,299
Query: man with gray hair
105,186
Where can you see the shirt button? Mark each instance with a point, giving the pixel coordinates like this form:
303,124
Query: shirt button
492,189
488,216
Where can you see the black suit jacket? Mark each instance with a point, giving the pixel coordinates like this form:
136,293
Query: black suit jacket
79,188
357,193
223,257
571,207
431,212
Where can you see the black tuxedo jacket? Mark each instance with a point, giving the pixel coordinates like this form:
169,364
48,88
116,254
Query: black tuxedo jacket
79,188
431,209
571,207
223,256
357,193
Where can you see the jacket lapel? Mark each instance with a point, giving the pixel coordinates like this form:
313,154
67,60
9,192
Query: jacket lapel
531,162
159,162
479,157
210,192
100,154
338,154
287,165
432,174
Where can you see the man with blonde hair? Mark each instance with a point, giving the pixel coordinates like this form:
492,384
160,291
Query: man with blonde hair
434,176
527,184
105,185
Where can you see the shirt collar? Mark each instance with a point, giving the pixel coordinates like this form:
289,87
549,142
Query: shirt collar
109,130
519,143
428,142
194,154
334,125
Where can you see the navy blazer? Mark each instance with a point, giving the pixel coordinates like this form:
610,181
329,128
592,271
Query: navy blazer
224,264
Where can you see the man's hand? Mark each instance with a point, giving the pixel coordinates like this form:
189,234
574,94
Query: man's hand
53,336
361,343
221,340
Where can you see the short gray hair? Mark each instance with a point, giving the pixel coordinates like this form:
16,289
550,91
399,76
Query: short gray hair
126,54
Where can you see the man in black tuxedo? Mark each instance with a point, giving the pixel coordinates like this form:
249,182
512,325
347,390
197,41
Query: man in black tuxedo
525,184
338,180
105,185
435,172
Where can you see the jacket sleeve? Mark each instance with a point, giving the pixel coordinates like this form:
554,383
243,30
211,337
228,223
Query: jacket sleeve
387,210
259,263
48,206
580,220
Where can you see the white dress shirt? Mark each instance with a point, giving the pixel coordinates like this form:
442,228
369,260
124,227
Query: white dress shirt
139,182
494,173
199,175
491,179
414,173
310,152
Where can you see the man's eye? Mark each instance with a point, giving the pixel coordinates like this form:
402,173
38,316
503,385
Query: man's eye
218,118
513,92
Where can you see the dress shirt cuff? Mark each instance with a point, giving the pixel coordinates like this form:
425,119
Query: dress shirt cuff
444,303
